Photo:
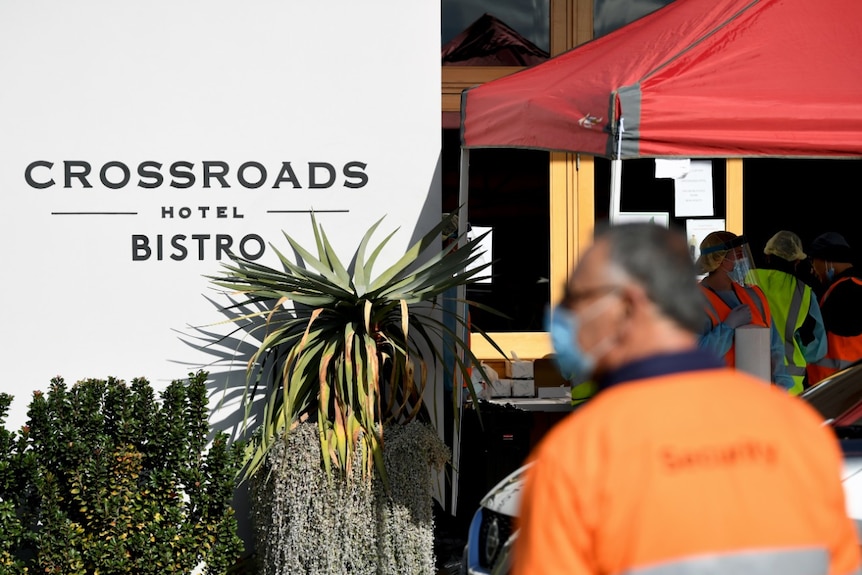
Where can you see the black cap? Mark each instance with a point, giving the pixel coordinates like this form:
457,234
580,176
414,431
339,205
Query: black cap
831,247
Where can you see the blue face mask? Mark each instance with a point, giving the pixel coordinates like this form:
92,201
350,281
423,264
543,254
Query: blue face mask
830,273
740,270
573,362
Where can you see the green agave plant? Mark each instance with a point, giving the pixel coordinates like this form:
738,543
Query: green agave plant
351,350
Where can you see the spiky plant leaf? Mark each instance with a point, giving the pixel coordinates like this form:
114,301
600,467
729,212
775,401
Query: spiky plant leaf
362,273
354,349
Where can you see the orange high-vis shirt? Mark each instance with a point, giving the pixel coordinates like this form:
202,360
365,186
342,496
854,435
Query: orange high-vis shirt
841,351
718,311
707,471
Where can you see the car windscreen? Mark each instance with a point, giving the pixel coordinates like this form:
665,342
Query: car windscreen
838,394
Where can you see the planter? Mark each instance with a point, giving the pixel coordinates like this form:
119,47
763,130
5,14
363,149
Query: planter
307,523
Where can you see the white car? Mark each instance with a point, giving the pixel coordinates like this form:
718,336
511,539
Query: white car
837,398
492,533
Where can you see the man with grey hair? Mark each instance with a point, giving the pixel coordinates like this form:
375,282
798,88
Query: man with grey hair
680,464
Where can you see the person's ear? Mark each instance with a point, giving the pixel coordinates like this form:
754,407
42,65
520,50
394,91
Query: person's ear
633,298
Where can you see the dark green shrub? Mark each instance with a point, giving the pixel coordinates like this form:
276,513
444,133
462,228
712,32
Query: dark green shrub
17,496
124,483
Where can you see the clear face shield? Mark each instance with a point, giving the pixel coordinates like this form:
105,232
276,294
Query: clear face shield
739,254
743,262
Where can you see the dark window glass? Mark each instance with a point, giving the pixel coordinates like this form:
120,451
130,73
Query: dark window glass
641,191
805,196
608,15
495,32
509,193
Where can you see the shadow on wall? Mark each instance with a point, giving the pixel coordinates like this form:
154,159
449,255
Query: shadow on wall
227,387
228,384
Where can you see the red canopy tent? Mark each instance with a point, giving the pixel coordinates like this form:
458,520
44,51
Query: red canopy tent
697,78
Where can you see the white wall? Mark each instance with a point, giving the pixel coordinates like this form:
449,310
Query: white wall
115,84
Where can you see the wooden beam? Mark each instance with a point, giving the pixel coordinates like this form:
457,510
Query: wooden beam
527,345
454,79
586,222
733,198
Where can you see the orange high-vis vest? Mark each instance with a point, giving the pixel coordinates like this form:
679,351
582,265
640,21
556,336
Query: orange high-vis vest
718,311
664,476
841,350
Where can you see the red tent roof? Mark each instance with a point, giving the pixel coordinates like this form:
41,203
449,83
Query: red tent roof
696,78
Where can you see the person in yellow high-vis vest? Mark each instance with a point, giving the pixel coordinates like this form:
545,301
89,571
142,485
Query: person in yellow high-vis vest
793,305
841,304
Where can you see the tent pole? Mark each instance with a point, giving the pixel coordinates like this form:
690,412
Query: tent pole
460,323
463,195
616,176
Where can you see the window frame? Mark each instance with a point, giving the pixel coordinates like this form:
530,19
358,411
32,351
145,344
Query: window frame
572,180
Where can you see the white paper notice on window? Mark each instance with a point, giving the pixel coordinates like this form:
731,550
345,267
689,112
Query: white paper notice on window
693,193
674,168
697,230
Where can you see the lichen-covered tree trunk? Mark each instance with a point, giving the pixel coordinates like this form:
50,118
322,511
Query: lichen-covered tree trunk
306,525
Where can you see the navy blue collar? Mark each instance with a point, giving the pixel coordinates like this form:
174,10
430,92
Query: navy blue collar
850,272
665,364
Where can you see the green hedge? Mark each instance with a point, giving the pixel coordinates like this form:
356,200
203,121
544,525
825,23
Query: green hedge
107,479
